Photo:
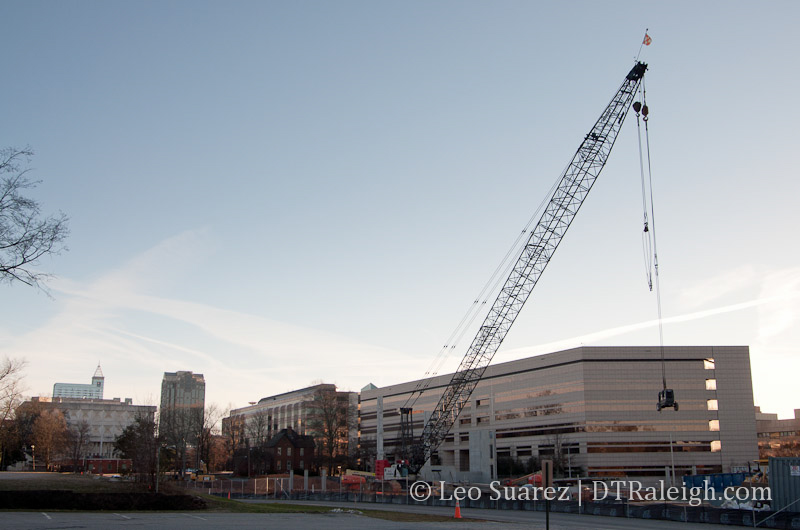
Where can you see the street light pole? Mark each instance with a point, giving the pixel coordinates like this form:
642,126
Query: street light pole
33,450
158,463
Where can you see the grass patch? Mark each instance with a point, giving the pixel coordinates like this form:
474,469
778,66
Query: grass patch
66,482
218,504
95,484
407,517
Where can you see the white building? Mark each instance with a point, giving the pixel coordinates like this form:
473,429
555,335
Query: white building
288,410
94,390
104,418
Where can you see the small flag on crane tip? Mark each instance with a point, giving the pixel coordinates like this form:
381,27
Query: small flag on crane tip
647,40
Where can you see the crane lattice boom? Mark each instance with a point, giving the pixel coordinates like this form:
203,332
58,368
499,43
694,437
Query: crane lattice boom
572,189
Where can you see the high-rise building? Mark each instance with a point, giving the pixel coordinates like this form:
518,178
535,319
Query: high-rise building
181,392
182,415
182,389
94,390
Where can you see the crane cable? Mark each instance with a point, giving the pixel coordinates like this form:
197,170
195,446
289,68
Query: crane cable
491,287
650,248
647,240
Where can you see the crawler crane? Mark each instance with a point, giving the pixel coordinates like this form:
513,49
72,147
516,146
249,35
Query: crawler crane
570,192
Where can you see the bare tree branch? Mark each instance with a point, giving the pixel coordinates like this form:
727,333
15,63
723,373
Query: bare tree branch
25,235
11,389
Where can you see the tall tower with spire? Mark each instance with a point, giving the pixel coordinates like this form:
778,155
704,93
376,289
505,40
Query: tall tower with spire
94,390
98,380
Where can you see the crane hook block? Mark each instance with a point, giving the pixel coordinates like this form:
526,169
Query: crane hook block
637,107
645,111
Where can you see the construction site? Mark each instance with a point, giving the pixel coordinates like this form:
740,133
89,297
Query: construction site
569,420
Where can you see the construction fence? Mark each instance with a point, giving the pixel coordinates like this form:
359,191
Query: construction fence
311,489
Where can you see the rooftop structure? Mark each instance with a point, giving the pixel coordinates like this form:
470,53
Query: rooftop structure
93,390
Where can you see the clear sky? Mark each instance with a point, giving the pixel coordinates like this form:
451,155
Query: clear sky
275,193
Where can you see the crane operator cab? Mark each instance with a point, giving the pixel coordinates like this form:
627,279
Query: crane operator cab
666,399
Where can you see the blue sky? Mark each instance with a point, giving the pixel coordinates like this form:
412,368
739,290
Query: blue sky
273,193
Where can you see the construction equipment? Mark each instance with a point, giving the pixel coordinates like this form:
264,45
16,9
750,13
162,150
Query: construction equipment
575,183
666,399
534,479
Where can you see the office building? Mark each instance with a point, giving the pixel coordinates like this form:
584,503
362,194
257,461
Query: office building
94,390
592,410
258,423
103,420
778,438
182,389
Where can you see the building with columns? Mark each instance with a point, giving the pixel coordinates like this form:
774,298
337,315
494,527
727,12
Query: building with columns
103,419
258,423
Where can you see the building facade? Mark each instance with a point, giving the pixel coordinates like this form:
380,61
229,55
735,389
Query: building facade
182,389
778,438
290,410
592,410
94,390
183,398
104,420
256,425
290,451
181,417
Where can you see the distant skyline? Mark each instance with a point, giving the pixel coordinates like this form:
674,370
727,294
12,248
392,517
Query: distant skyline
276,193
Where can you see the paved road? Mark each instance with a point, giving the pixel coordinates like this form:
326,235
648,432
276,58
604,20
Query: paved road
153,521
514,518
333,521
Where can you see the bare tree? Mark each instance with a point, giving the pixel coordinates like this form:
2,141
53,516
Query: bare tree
25,236
330,417
181,428
11,389
258,434
209,429
234,429
219,453
77,440
559,449
50,435
258,431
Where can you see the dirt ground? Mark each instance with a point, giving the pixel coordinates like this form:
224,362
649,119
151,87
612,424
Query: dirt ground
27,481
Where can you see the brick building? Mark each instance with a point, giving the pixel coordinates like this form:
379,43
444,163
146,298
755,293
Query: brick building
290,451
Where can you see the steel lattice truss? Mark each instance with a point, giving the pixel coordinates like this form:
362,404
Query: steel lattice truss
572,189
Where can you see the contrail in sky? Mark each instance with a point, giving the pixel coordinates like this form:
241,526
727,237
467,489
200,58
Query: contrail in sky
622,330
